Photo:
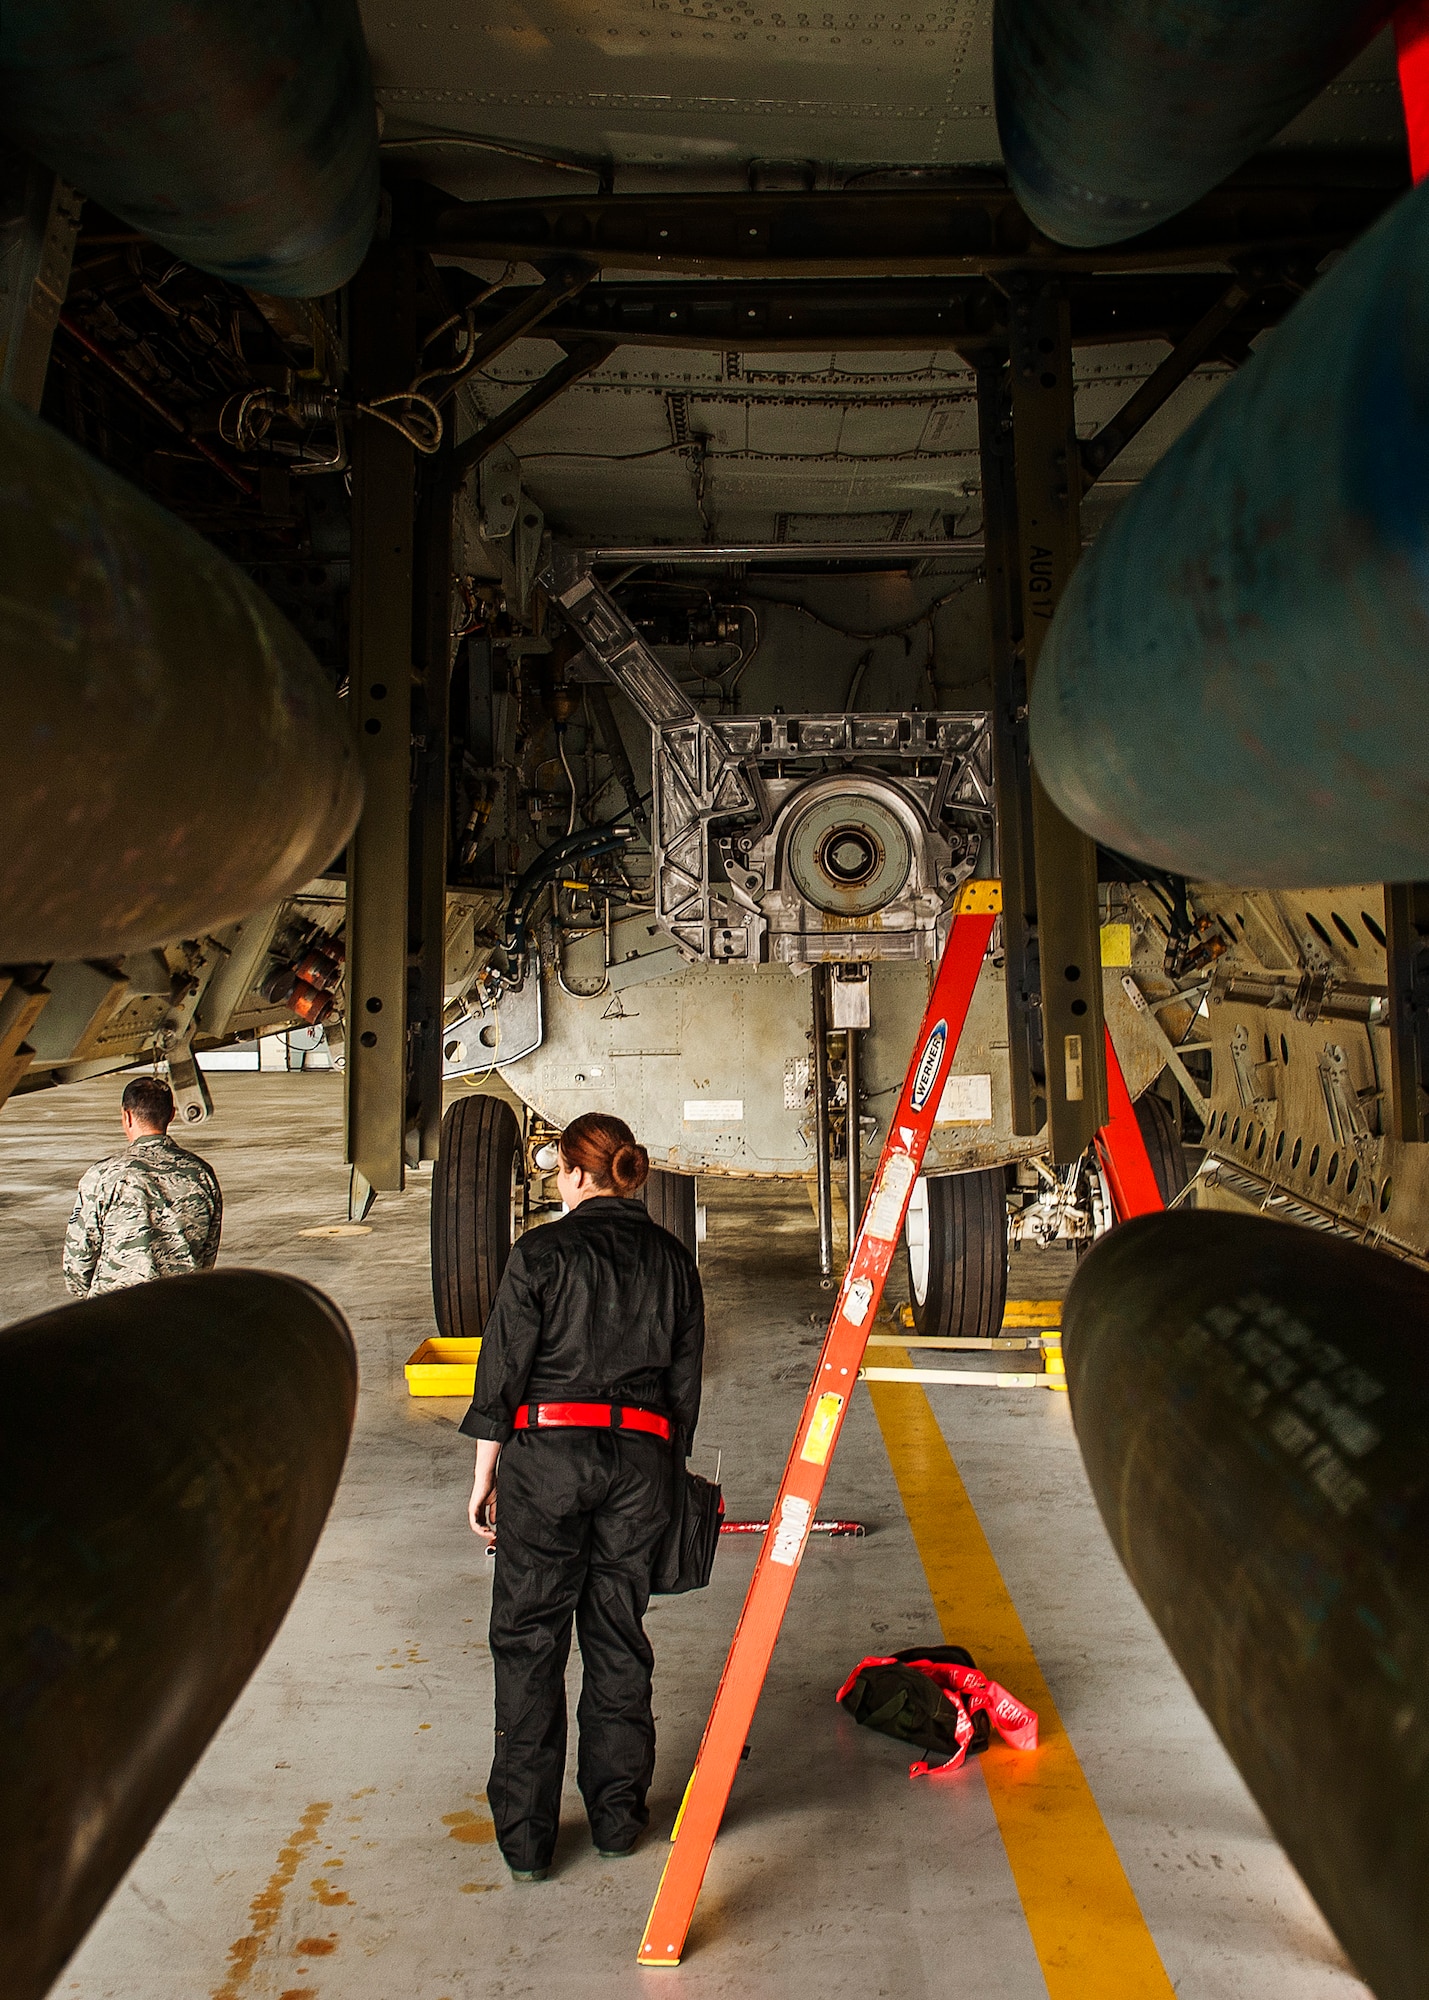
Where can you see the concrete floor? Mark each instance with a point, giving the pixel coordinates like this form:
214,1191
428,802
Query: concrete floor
334,1842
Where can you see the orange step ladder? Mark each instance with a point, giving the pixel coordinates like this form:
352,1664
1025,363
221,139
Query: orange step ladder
826,1404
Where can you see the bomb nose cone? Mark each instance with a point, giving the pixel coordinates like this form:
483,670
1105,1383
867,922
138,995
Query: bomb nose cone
1233,686
173,756
168,1455
1252,1404
241,137
1114,115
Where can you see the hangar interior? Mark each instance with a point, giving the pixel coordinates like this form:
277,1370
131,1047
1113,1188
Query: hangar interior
554,556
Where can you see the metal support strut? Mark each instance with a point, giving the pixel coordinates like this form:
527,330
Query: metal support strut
852,1134
1180,364
384,353
581,356
818,979
41,216
1049,532
1406,920
427,862
1012,764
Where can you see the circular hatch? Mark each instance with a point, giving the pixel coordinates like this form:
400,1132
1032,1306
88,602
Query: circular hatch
849,855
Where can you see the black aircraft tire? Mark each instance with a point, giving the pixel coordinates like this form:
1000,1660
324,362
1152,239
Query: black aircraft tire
670,1199
966,1289
1168,1159
471,1212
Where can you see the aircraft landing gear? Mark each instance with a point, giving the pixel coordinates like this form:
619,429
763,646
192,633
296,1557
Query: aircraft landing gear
1168,1159
955,1237
473,1211
670,1199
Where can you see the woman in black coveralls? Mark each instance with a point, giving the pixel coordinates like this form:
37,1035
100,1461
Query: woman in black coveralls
591,1357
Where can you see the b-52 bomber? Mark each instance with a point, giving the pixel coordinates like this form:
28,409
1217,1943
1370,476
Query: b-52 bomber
663,537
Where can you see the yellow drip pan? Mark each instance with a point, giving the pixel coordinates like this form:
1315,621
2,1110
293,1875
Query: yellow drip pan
443,1368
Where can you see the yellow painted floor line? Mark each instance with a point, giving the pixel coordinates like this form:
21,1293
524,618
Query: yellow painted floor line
1043,1313
1087,1928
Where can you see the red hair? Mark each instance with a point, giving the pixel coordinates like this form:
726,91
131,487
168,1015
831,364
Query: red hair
605,1148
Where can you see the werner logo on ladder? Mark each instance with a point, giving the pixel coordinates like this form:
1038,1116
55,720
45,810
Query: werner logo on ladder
1129,1170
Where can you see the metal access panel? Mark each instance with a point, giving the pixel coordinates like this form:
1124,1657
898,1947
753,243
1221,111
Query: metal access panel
495,1033
711,1066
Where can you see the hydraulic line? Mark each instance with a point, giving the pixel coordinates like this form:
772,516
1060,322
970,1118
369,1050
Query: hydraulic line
822,1146
575,847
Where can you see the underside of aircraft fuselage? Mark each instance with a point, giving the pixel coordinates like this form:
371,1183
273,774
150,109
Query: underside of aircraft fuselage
846,588
734,349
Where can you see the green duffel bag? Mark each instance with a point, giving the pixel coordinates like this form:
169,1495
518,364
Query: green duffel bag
900,1701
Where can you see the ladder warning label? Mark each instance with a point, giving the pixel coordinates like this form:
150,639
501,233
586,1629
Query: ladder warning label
890,1198
856,1305
794,1516
819,1437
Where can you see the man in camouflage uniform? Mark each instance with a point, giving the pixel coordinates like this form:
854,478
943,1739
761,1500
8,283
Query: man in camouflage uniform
152,1211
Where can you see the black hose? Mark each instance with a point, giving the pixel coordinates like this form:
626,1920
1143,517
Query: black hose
574,847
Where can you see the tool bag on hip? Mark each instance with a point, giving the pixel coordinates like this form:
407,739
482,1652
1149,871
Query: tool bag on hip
686,1556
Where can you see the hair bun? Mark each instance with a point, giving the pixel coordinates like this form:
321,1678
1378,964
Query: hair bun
629,1167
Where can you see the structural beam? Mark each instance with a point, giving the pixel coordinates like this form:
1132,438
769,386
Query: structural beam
1185,357
521,313
823,1137
893,232
853,1133
784,555
781,315
384,355
1012,763
427,878
1406,924
39,221
1048,477
581,358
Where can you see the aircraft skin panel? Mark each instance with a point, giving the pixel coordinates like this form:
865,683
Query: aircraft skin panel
704,90
842,445
702,85
711,1066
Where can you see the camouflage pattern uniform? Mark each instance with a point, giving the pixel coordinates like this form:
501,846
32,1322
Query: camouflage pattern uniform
152,1211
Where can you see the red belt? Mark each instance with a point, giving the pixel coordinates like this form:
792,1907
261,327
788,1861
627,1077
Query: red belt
590,1416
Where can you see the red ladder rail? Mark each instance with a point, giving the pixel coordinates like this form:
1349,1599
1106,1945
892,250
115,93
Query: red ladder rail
824,1410
1411,41
1121,1149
